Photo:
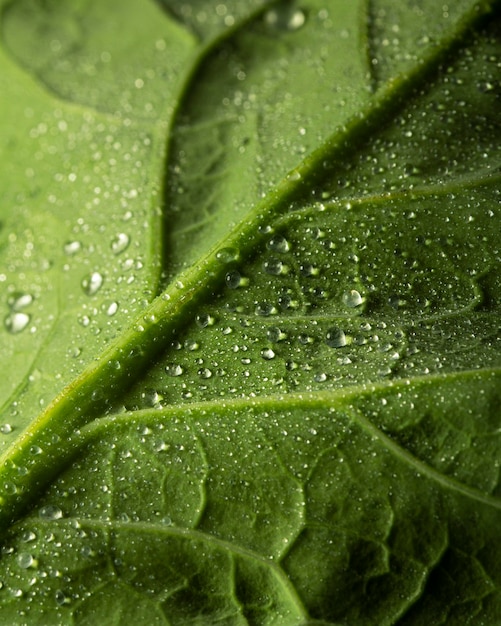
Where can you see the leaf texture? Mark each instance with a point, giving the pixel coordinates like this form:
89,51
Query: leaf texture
250,259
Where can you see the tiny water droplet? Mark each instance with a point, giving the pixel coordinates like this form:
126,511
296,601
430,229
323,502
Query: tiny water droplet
120,243
335,338
16,322
92,284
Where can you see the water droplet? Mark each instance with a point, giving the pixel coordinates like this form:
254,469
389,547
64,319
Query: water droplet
50,512
335,338
19,301
226,256
191,345
352,299
61,597
112,309
72,247
204,320
267,354
305,339
26,560
35,450
320,377
265,309
92,284
6,429
205,373
174,370
274,334
279,243
308,271
234,280
28,536
120,243
16,322
285,18
274,267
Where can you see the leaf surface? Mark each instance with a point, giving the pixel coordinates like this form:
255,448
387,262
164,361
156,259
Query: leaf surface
250,260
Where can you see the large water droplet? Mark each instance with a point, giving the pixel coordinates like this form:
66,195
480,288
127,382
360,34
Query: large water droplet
19,301
16,322
92,284
234,280
352,299
335,338
204,320
279,243
50,512
174,370
120,243
227,255
72,247
26,560
285,18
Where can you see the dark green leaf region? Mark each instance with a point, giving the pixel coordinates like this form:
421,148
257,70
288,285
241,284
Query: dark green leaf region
250,313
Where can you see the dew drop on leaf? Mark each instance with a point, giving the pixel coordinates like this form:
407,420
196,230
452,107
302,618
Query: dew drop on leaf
120,243
174,370
112,309
225,256
275,334
234,280
352,299
50,512
72,247
274,267
61,598
92,284
19,301
279,243
267,354
16,322
204,320
335,338
26,560
285,18
6,429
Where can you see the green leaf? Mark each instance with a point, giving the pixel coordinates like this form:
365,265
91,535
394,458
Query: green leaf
249,279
